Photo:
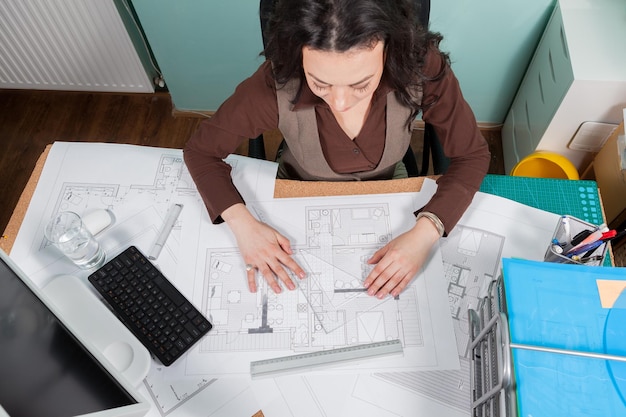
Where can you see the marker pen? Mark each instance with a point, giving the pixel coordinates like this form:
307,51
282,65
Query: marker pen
585,248
593,237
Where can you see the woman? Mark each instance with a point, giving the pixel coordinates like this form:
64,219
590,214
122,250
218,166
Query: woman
343,81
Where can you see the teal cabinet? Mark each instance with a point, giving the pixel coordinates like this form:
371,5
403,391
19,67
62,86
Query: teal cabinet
577,75
546,82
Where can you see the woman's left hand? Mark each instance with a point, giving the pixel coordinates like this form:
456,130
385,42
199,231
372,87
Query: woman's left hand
399,260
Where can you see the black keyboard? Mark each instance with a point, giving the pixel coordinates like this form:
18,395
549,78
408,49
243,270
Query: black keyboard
163,320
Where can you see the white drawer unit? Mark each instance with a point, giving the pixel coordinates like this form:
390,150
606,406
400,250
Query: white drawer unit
577,75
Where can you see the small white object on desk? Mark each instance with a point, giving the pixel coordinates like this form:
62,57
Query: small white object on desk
98,220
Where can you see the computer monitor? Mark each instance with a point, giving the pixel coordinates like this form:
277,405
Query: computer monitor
46,368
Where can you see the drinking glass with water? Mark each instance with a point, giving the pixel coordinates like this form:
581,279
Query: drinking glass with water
68,233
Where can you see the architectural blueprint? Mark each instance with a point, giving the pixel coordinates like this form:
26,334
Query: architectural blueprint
471,259
332,238
84,177
332,241
492,228
137,185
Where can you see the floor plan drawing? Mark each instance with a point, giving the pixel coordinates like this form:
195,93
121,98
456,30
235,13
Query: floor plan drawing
170,178
170,395
330,308
138,189
332,239
197,396
339,242
79,177
471,258
171,181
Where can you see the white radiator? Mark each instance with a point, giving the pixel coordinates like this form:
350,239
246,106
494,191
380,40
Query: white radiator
79,45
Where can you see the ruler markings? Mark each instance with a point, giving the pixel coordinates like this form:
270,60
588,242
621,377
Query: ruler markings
323,357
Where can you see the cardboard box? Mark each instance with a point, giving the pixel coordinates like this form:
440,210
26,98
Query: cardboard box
611,179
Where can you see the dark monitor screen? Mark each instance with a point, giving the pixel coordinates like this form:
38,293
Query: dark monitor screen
44,369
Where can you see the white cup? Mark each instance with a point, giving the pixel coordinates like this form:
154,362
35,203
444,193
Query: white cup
68,233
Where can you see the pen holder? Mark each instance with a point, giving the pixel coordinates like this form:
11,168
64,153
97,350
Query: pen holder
566,236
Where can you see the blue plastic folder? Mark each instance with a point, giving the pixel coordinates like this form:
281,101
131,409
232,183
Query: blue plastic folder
560,307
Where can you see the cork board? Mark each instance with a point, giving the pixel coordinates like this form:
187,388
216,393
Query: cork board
10,233
292,188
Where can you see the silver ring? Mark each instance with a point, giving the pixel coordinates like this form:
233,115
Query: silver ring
249,267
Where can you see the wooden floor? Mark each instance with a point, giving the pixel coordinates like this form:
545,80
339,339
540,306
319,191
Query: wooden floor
30,120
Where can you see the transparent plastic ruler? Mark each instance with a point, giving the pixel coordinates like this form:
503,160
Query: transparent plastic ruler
291,363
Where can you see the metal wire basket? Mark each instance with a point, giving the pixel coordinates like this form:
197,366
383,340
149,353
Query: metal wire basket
491,369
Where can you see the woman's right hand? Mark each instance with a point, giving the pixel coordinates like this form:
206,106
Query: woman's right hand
263,248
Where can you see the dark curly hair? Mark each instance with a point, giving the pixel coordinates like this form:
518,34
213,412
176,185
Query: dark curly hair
340,25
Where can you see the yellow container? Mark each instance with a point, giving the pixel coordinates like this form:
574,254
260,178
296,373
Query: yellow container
545,165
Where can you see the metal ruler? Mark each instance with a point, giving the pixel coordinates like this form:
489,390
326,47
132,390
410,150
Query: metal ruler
268,367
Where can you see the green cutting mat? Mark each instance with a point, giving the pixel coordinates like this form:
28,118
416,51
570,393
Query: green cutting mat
579,199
